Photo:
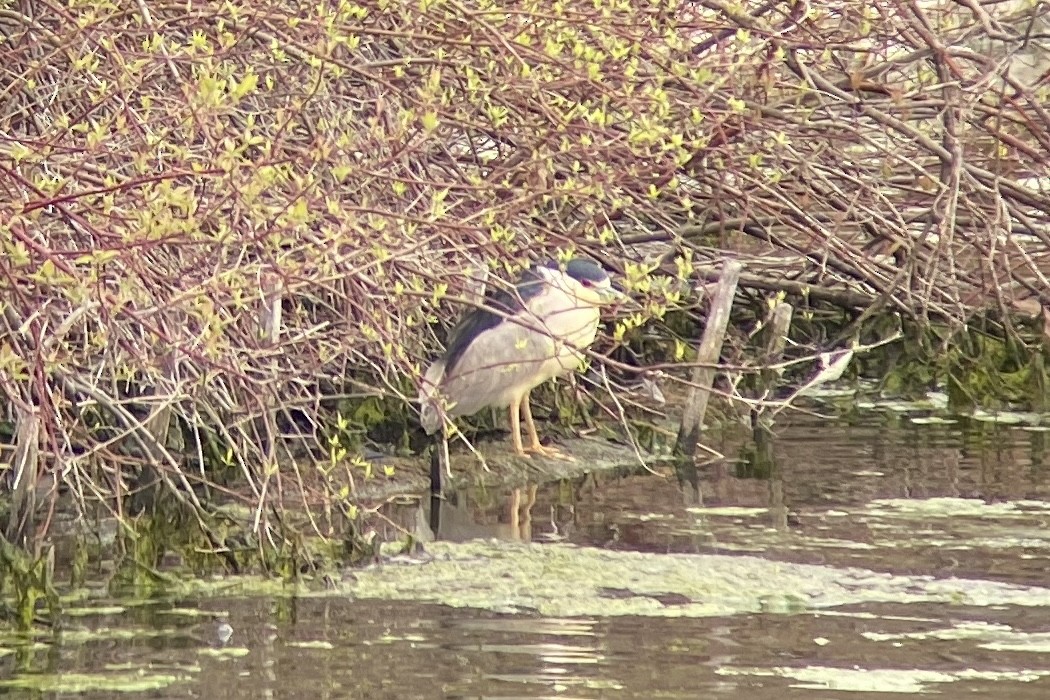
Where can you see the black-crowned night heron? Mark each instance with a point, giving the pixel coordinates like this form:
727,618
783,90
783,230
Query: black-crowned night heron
520,338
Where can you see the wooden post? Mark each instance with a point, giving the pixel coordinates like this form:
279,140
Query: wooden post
707,354
440,463
26,465
767,382
158,425
477,284
159,422
271,287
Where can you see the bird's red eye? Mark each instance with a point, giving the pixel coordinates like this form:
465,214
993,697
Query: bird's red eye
587,283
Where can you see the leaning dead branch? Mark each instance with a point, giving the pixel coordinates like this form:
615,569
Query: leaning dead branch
707,354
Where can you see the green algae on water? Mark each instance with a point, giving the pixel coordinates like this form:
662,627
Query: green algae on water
125,682
565,581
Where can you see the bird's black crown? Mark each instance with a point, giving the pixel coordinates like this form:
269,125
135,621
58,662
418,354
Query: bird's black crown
582,269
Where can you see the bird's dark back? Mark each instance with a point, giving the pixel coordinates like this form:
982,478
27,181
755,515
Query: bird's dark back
478,320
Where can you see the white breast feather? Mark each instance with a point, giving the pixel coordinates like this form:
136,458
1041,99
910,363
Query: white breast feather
510,359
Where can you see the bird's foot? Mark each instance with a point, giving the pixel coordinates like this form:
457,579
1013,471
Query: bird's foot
550,452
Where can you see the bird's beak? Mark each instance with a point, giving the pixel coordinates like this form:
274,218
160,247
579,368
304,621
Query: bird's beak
611,295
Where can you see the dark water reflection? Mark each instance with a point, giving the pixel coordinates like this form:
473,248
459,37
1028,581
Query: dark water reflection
815,495
812,469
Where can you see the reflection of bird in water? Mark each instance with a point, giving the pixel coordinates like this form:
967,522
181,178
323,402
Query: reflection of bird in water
458,518
521,338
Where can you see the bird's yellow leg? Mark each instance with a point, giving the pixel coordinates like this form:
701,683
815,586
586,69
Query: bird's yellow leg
530,425
534,437
515,427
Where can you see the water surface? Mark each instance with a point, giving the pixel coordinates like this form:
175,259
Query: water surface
871,557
